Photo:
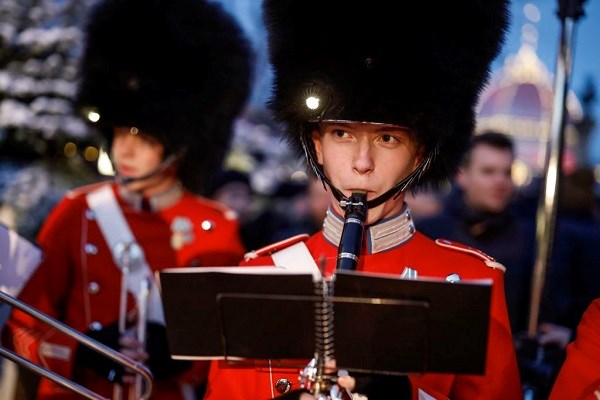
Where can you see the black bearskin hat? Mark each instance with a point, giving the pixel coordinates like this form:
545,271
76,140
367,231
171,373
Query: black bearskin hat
179,70
419,64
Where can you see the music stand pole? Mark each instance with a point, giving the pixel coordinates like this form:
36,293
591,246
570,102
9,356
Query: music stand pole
569,12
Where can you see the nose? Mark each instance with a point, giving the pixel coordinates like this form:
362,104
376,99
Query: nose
503,178
363,159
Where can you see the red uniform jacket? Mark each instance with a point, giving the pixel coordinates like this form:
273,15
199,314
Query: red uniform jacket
430,259
579,377
79,284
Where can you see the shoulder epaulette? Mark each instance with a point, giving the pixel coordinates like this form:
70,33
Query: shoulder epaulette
83,190
272,248
487,259
228,213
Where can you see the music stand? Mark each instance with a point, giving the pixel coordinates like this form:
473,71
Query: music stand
382,324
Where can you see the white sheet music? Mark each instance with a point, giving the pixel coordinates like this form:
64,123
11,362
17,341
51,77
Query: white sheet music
19,258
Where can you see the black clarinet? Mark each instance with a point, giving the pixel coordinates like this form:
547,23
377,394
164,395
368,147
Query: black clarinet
352,232
312,378
348,253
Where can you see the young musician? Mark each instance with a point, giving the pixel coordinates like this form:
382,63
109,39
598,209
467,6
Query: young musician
380,106
168,123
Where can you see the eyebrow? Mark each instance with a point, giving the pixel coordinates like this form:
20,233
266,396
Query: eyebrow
380,127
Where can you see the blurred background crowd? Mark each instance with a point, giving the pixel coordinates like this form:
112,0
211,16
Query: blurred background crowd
45,148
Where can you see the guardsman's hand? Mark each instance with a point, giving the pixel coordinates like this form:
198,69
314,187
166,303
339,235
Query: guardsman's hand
556,334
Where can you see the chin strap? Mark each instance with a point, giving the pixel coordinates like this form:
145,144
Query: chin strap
405,183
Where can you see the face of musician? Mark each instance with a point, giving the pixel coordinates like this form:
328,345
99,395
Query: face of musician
134,155
486,178
368,157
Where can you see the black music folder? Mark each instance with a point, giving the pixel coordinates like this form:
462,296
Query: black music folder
381,323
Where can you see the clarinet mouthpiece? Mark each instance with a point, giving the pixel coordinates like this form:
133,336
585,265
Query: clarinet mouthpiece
352,231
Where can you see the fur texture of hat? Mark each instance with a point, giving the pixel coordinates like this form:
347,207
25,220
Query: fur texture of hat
179,70
419,64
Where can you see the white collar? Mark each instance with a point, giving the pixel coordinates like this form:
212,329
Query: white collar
384,235
158,201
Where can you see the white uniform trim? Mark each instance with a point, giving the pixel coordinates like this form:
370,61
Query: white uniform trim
116,231
297,258
423,395
488,260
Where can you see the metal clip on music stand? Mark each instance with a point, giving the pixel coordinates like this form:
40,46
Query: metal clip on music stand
382,324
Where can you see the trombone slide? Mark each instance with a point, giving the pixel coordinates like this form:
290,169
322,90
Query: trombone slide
80,338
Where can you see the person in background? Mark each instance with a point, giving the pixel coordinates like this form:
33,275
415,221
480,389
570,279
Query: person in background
304,212
165,79
379,107
571,284
233,189
573,277
272,213
425,203
478,213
